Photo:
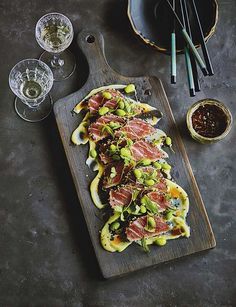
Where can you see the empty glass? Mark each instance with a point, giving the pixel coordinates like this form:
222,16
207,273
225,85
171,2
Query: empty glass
31,80
54,33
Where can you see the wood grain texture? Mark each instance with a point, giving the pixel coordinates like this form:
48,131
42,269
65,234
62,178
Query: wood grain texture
150,90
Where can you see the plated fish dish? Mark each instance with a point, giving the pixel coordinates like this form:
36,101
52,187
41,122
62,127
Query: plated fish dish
133,183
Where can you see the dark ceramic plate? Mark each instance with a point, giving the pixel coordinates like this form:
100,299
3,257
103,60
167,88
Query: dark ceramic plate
152,21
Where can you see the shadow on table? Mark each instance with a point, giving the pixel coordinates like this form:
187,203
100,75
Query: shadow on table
118,22
60,166
72,208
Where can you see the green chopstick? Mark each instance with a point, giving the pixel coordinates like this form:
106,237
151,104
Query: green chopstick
188,59
173,52
189,42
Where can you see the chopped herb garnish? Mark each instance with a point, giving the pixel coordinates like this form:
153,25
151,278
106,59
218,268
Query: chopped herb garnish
129,142
116,157
144,245
151,206
114,125
135,194
113,172
107,128
151,224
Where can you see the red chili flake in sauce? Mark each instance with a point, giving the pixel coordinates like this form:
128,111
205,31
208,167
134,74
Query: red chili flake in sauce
209,121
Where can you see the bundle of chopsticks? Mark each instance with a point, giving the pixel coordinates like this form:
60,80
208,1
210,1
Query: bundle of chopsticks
192,57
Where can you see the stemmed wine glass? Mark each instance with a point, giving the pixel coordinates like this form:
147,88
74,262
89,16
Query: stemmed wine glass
54,33
31,80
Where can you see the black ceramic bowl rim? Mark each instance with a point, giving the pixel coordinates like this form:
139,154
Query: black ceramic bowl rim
220,105
164,50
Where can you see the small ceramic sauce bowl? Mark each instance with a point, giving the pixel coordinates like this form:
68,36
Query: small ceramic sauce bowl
209,121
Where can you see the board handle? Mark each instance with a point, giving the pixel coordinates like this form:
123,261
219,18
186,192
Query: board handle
92,45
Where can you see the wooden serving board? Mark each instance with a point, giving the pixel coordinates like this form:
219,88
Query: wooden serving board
149,89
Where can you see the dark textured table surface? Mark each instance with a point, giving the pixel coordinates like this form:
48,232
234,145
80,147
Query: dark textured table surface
46,257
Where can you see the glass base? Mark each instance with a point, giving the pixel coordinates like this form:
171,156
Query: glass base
60,72
36,114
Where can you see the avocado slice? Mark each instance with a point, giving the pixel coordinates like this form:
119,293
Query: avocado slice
94,188
177,192
80,134
92,161
109,242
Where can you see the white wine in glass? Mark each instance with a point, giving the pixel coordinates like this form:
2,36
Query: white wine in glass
31,80
54,33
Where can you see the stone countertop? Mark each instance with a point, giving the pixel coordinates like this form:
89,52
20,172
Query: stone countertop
46,256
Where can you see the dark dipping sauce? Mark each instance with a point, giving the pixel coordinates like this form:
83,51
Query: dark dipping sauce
209,121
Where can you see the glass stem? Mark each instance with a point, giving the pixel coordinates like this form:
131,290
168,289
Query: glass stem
56,62
33,104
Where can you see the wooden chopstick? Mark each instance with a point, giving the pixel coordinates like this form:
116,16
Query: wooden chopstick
187,59
192,59
203,43
189,41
